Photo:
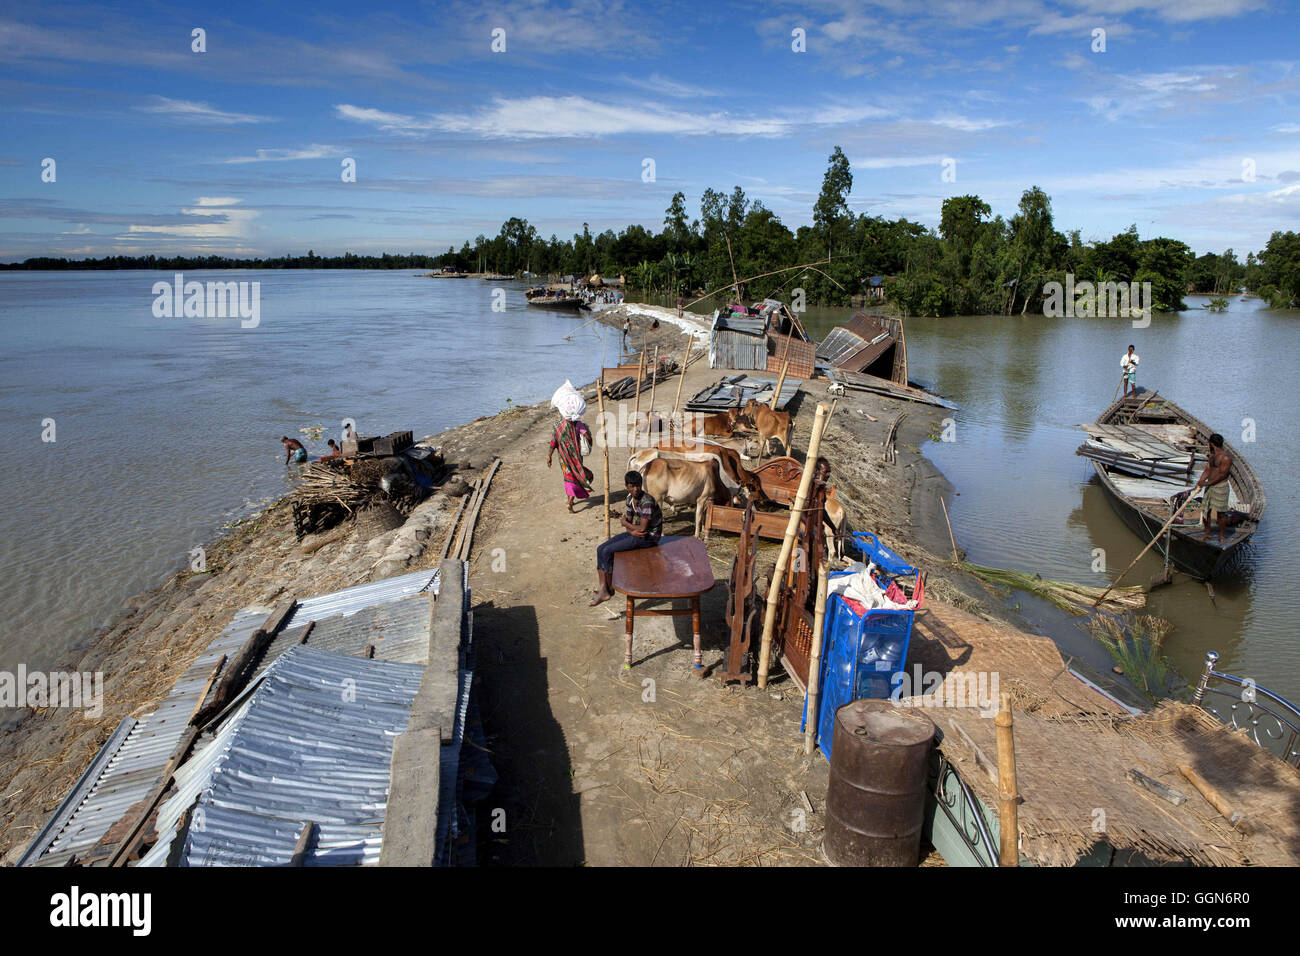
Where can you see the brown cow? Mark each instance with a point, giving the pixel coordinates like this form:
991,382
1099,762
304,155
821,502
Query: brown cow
717,425
768,424
674,482
696,449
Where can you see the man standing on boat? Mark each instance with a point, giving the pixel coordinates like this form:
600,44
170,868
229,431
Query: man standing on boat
1215,482
1128,365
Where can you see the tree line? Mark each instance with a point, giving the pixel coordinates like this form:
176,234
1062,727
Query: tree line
973,263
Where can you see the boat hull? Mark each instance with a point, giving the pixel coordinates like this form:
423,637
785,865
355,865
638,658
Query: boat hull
1197,558
1190,550
543,304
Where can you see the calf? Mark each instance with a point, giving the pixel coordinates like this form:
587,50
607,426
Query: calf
734,473
717,425
674,482
768,424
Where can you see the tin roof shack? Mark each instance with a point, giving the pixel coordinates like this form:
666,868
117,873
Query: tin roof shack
763,337
738,342
282,745
870,344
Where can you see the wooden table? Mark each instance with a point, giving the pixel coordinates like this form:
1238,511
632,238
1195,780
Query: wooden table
677,568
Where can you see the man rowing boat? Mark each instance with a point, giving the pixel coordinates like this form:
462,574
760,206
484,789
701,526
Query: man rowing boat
1215,482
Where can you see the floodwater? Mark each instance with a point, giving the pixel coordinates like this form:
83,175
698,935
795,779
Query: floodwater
165,429
1025,501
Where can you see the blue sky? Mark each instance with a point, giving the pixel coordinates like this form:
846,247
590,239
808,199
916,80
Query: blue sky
1187,124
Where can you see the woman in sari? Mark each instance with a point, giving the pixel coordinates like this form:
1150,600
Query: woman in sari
567,438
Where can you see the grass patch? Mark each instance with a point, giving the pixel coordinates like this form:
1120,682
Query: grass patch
1136,648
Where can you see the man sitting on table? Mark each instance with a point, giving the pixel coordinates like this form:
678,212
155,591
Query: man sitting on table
644,523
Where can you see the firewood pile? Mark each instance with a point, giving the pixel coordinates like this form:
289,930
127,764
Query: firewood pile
333,491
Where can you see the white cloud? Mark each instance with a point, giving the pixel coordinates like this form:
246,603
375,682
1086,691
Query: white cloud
967,124
314,151
537,117
216,218
191,111
892,162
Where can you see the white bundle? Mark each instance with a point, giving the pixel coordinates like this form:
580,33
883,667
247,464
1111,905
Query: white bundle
862,587
569,401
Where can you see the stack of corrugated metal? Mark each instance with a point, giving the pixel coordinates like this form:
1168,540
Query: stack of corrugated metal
309,739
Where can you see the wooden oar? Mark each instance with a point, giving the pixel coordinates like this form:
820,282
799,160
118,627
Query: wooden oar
1166,526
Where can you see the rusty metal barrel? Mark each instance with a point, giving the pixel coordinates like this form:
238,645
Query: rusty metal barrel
876,801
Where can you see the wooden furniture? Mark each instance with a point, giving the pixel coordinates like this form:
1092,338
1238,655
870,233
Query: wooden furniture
744,612
677,568
780,481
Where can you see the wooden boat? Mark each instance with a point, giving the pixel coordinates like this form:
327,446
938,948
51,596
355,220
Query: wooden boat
1145,451
547,299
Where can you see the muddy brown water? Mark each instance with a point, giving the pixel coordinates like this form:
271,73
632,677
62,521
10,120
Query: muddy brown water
1024,500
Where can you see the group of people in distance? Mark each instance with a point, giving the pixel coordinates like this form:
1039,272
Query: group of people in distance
296,452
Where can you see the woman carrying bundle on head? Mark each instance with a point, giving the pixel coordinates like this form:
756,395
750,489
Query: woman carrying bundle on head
572,438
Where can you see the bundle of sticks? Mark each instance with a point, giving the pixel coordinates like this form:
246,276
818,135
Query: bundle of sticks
889,455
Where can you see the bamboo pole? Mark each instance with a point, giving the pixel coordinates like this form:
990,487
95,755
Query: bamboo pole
636,409
814,659
787,545
1235,817
780,381
956,558
1167,524
735,281
604,444
686,360
654,385
764,275
1009,798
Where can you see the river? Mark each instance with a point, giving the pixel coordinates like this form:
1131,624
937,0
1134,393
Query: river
1025,501
166,429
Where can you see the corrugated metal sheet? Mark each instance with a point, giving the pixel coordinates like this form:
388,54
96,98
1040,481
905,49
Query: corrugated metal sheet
800,354
735,390
313,742
135,769
736,350
353,599
738,342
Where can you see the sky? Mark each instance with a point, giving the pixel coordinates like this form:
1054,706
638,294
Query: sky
126,133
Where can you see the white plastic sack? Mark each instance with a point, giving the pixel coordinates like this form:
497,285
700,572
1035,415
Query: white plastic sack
861,587
568,401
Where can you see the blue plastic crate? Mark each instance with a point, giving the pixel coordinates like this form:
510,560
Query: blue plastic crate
844,674
873,549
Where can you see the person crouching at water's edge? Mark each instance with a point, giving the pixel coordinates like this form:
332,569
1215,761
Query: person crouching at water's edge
293,449
568,437
644,523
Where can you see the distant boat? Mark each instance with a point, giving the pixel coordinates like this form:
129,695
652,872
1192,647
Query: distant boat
547,299
1146,452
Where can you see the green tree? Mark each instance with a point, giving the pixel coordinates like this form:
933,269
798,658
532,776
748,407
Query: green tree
831,212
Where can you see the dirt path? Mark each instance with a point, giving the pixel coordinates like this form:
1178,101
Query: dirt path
652,766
